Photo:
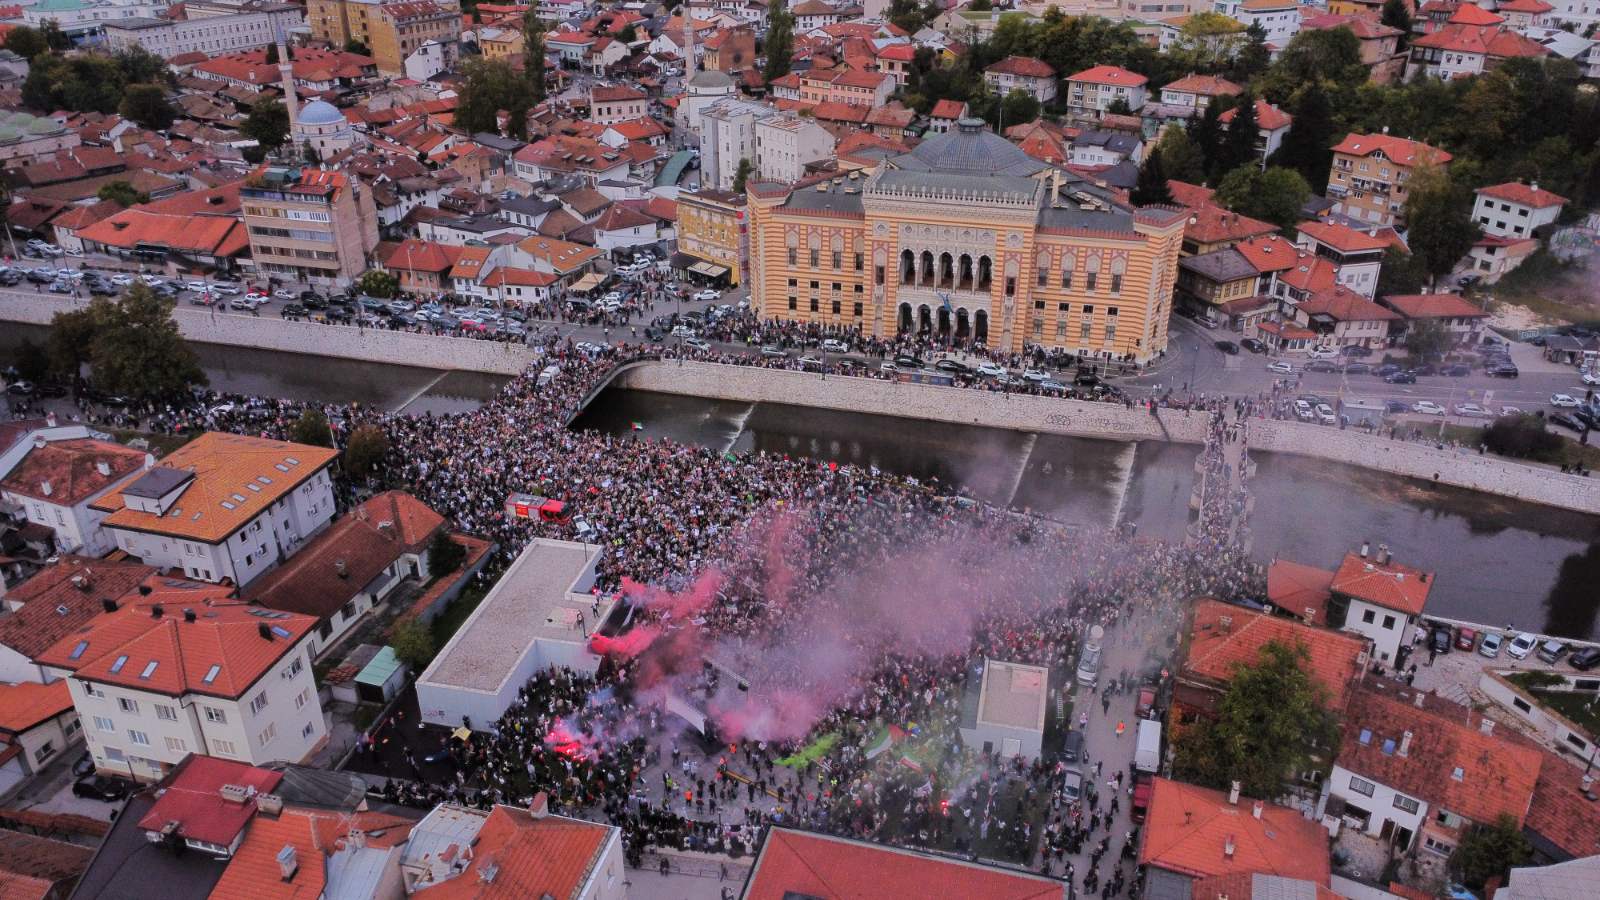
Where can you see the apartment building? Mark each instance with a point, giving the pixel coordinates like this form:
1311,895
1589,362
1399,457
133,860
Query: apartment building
56,482
1357,254
786,144
154,683
224,507
1034,77
399,30
727,135
1369,175
206,28
610,103
309,224
713,234
341,21
1514,210
1092,92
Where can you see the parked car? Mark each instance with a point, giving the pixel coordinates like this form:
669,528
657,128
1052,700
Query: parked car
1565,420
773,351
1472,411
1357,368
1466,638
1034,375
1521,646
682,331
951,365
1072,784
101,787
1087,379
1585,659
1253,345
1280,367
833,345
1490,645
697,343
1147,701
1323,351
1400,378
1552,650
1072,747
1565,401
1439,639
1459,370
990,370
1504,370
708,294
1321,365
1228,347
1427,408
1385,370
810,362
1325,414
83,765
1356,352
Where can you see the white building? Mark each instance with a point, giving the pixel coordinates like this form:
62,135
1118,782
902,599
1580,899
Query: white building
1380,598
156,681
1005,709
1280,18
1581,13
728,135
1514,210
79,16
1022,73
429,59
56,482
702,90
212,34
1095,90
786,143
616,103
1357,254
539,614
223,507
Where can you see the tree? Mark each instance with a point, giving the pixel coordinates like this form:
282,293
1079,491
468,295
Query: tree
1331,54
311,428
122,192
26,42
1205,133
445,555
779,46
54,36
1276,195
1253,58
1267,722
1428,340
1308,147
136,349
1400,273
84,83
72,338
355,46
492,85
267,124
1152,186
272,54
147,105
1489,850
1119,107
378,283
365,450
628,34
980,6
1524,437
1439,222
140,66
1396,15
1179,157
1018,107
1239,141
533,59
741,175
32,361
412,642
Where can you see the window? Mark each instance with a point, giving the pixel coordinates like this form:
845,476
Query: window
1066,279
222,748
1406,804
258,704
44,751
1362,786
177,745
860,262
1089,281
301,698
267,734
1388,623
1439,847
215,715
1044,277
877,274
117,666
166,712
838,260
813,304
815,254
101,723
857,309
1367,616
139,738
306,731
128,706
792,256
294,668
1458,773
1116,283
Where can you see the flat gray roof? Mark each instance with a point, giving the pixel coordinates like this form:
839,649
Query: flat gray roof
1014,695
539,598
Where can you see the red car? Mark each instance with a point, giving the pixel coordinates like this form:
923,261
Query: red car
1142,788
1147,701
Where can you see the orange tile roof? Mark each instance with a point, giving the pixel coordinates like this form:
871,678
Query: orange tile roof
796,863
1210,224
1391,585
253,872
1190,195
1511,192
1342,237
247,473
193,799
1112,75
1204,85
75,470
1333,658
63,598
1271,253
1268,117
562,256
553,856
1023,67
1496,42
423,256
1497,774
1434,306
28,703
1399,150
1188,828
1295,588
1561,813
948,109
1311,274
1473,14
1344,305
225,636
206,235
470,262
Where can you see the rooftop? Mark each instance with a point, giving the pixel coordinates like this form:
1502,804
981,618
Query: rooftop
1226,637
794,864
1398,150
29,703
1014,695
1195,831
1433,306
195,800
27,856
1390,585
63,597
1300,590
516,854
1530,195
1115,76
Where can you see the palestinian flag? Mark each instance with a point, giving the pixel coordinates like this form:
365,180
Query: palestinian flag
638,426
885,739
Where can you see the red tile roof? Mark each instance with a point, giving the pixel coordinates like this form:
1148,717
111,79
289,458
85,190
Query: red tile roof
1022,67
1342,237
1472,14
1271,253
1311,274
1188,829
1203,85
28,703
1532,7
898,53
62,598
833,111
614,93
204,235
1190,195
1268,117
1295,588
225,636
1561,812
415,255
948,109
795,863
1217,650
1364,28
1497,775
1344,305
1433,306
74,470
551,855
1210,224
28,862
1497,43
1391,585
1112,75
1399,150
194,799
1511,192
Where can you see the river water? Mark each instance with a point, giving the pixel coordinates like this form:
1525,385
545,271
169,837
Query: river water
1498,561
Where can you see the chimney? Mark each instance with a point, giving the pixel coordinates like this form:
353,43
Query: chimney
1383,554
39,442
1227,847
339,568
1233,794
157,612
188,615
144,590
1486,725
103,467
1419,699
264,630
1405,743
108,604
1225,624
1534,185
44,487
287,865
356,839
269,805
1365,547
50,420
539,806
1256,810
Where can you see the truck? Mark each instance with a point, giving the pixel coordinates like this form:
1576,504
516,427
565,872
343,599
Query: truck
1147,751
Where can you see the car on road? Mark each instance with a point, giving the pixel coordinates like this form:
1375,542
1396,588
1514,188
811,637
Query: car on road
1034,375
83,765
1087,379
195,286
1071,785
1280,366
20,389
1565,401
293,310
590,348
834,345
1387,369
1304,411
1552,650
909,362
1228,347
1585,659
810,362
1356,352
1325,414
1591,377
1401,378
101,787
121,280
1072,747
990,370
1323,351
1357,368
697,343
1503,370
683,331
772,351
1459,370
1053,386
1565,421
1466,638
1147,701
951,365
1425,369
1521,646
1253,345
707,294
1321,365
1439,639
1510,410
1472,411
1490,645
1427,408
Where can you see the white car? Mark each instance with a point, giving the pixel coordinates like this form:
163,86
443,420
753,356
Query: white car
1565,400
1282,367
1591,377
284,294
1510,410
697,343
612,297
707,294
608,306
230,290
682,331
590,348
52,250
1522,645
1472,411
833,345
70,274
1034,375
1427,408
199,286
1303,411
1325,414
991,370
810,362
1323,352
152,280
121,280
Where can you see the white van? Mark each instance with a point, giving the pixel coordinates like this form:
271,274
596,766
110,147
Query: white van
1147,752
1089,665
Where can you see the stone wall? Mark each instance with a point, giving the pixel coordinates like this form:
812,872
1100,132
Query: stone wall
229,329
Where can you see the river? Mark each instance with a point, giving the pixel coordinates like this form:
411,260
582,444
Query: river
1498,561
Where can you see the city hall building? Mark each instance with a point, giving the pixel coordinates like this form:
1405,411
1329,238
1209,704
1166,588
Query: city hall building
968,238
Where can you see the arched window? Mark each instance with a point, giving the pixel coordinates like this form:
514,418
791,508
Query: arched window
1042,265
1068,263
1119,266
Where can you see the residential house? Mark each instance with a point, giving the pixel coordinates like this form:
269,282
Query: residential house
730,50
1380,43
945,114
1031,76
795,863
811,15
513,851
55,601
1369,174
1462,318
1280,19
570,48
353,566
1567,45
1412,764
336,224
1272,122
223,507
727,137
619,227
616,103
1515,210
499,43
1356,254
566,155
1521,14
1192,833
1209,280
398,30
848,86
1457,51
1213,227
895,61
1493,256
57,482
37,725
1094,92
1098,148
41,868
893,120
1379,598
1185,99
1341,317
421,267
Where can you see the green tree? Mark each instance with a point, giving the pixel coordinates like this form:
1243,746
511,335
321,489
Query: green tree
1428,340
32,361
1331,54
1205,133
492,85
980,6
83,83
1018,108
1396,15
1277,195
1308,147
26,42
1400,273
1152,186
311,428
1253,57
1267,722
533,61
272,54
54,36
1489,850
71,338
147,105
267,124
412,642
122,192
1179,157
741,175
445,555
628,34
779,45
365,450
1119,107
1239,141
1523,437
355,46
140,66
378,283
137,350
1439,222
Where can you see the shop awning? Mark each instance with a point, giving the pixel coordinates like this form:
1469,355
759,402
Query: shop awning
709,270
588,283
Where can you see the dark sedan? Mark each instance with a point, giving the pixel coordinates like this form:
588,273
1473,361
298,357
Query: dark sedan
1253,345
1400,378
1228,347
101,787
1585,659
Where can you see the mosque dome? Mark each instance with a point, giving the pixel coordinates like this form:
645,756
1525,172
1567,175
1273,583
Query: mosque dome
319,112
970,149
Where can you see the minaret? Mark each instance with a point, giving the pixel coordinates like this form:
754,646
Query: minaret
688,39
286,72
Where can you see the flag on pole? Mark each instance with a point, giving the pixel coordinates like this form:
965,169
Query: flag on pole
638,426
